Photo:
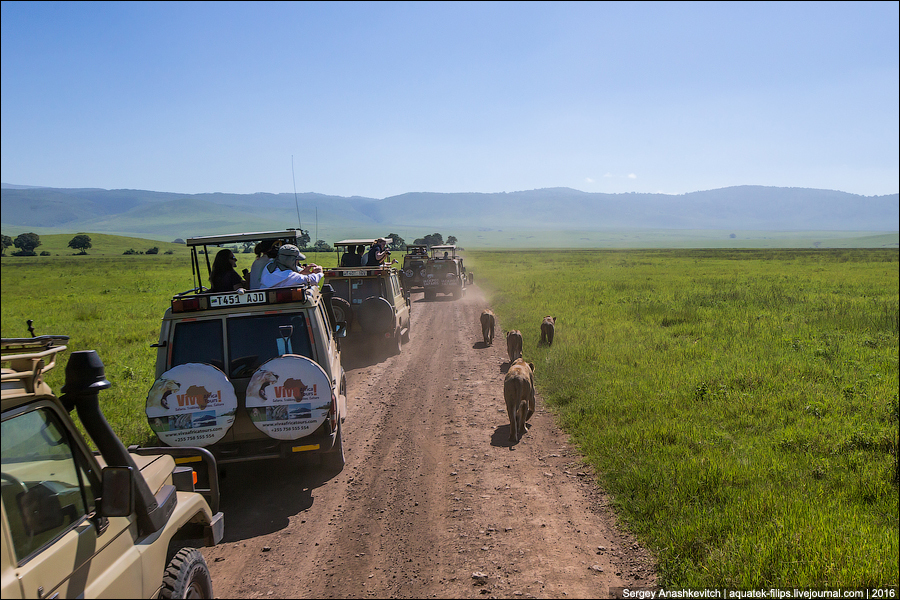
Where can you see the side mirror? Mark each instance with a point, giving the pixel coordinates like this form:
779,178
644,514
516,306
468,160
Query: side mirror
340,329
117,499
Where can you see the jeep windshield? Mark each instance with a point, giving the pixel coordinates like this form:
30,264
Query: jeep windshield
251,341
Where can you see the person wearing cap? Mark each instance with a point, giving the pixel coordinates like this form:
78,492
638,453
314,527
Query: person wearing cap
266,251
284,271
377,253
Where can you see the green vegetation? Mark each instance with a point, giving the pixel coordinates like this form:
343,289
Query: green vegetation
107,302
740,406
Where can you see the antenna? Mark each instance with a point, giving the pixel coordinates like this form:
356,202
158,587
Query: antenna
297,204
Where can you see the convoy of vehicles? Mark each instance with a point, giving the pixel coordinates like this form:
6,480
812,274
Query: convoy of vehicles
76,524
240,376
371,300
250,374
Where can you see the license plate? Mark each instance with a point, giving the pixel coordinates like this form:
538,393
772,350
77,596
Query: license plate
237,299
354,273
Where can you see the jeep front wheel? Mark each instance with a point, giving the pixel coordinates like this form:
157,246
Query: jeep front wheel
187,576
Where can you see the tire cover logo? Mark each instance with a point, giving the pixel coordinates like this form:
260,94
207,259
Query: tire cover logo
288,397
191,405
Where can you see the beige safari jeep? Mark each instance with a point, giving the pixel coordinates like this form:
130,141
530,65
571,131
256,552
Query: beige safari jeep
251,374
80,524
371,300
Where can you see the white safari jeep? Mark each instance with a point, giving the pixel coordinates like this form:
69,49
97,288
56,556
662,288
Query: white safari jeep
253,374
76,524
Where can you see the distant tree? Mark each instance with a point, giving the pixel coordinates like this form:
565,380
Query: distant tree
7,242
131,251
398,244
321,246
451,239
435,239
732,236
178,241
27,242
153,250
45,253
304,239
248,248
81,242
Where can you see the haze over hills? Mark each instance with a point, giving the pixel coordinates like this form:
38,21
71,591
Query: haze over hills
166,216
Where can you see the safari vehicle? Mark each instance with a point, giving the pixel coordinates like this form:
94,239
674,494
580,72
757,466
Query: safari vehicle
413,273
371,300
79,524
445,273
250,375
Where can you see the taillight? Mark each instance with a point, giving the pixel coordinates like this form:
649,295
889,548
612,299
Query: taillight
185,305
290,295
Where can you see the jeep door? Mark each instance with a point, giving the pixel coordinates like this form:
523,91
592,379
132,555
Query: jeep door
50,486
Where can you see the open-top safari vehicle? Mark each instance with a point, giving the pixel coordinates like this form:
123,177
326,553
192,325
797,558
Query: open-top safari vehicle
413,273
116,523
250,374
445,273
371,299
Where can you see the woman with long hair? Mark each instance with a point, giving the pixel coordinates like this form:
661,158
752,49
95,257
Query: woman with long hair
224,277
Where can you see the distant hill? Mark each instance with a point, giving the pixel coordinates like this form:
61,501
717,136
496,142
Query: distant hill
166,216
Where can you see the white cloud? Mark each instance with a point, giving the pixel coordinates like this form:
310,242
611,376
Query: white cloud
588,180
632,176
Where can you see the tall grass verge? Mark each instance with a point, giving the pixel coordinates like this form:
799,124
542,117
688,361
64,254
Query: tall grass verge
741,407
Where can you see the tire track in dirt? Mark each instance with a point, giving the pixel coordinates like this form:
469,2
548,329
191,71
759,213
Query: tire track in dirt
432,502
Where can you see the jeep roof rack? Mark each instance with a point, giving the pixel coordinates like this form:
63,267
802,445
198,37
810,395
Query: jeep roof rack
27,360
451,248
285,236
362,242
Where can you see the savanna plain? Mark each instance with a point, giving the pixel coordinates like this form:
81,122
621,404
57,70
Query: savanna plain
739,407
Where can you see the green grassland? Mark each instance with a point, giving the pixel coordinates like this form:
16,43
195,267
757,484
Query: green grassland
740,406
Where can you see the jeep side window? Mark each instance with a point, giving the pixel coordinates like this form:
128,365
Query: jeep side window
45,491
254,340
198,342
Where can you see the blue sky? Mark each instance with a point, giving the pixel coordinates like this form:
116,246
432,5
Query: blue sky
378,99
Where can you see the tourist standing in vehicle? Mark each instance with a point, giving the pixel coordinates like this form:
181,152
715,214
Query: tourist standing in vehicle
224,277
378,253
284,271
265,251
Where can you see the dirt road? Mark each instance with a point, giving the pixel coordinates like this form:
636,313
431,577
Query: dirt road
433,501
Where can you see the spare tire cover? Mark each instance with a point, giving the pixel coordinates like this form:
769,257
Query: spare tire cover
375,315
191,405
288,397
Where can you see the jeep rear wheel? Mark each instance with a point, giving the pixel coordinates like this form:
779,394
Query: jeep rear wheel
342,310
187,576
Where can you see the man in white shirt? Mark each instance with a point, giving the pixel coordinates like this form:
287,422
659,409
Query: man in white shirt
284,271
